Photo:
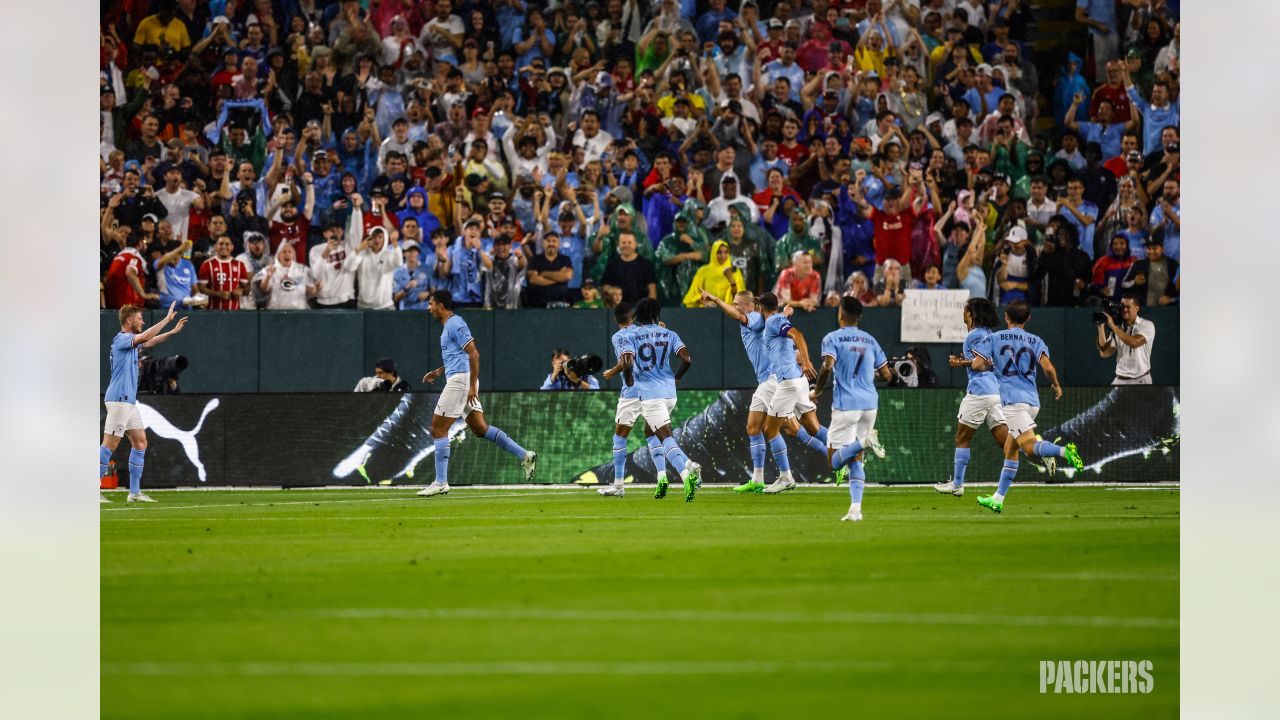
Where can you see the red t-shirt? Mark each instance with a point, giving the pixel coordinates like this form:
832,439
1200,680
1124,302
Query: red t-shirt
295,233
119,291
893,234
809,287
1119,101
1118,166
793,156
223,276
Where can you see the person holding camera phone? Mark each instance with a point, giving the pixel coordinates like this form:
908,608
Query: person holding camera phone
1130,340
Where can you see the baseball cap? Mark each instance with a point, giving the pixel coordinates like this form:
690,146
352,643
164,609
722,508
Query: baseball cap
252,236
408,245
221,20
1000,177
933,118
482,111
1017,234
150,217
471,222
497,195
774,23
983,69
318,154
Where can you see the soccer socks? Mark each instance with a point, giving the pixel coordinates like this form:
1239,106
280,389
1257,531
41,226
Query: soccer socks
619,459
136,458
675,455
845,455
857,482
817,442
502,440
1044,448
104,461
779,448
1006,480
442,461
757,452
962,462
658,455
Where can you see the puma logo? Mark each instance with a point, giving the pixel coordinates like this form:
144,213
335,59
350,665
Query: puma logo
158,424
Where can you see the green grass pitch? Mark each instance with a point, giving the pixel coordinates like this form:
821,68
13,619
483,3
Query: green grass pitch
556,603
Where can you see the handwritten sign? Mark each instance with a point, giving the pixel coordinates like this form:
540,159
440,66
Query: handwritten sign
934,316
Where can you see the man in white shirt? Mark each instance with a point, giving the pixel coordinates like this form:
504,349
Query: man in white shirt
1130,343
593,141
1039,207
178,201
377,262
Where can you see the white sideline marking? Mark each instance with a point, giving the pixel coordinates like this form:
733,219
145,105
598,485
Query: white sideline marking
923,516
398,498
734,616
568,667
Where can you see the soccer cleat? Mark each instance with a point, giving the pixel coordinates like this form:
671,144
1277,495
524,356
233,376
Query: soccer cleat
1073,457
661,492
102,498
611,491
842,475
949,488
138,497
852,517
987,501
873,444
434,489
692,480
779,486
530,465
750,486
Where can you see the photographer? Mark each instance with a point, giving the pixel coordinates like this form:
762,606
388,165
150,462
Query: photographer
1132,341
564,374
385,379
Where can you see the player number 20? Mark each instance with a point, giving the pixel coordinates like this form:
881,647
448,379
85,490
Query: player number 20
1013,362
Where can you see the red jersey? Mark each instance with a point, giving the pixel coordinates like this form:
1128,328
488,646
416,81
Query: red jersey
119,291
223,276
295,233
797,289
793,156
893,234
1119,101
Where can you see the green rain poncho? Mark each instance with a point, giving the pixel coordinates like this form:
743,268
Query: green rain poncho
796,239
674,280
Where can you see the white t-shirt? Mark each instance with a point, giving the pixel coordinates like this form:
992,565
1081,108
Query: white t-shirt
594,147
438,43
376,271
178,204
1043,212
1135,363
336,273
288,286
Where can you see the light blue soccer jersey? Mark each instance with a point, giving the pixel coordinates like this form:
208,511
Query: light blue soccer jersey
753,341
654,346
622,346
858,356
1014,353
980,382
124,369
455,337
780,348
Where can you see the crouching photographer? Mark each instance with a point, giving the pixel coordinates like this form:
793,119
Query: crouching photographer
159,376
572,373
1123,334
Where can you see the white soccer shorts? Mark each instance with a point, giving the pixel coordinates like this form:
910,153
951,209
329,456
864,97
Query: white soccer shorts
791,398
453,399
763,394
628,411
849,425
1020,417
657,413
121,417
977,409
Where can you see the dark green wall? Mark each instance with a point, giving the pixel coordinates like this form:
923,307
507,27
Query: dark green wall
328,351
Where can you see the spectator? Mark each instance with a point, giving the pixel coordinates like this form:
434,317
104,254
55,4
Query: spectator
1151,278
175,275
1110,270
1100,17
680,255
376,261
797,239
286,284
124,280
890,290
466,259
799,286
893,226
256,259
1016,267
718,278
385,379
590,297
1081,214
1158,114
970,274
631,273
749,255
222,278
1167,216
549,275
504,275
410,283
178,202
293,227
857,286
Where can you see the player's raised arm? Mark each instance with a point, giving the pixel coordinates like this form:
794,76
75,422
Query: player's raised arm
1052,373
165,336
146,335
728,309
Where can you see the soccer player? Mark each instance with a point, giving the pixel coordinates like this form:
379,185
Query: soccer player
982,397
628,410
461,395
647,366
783,343
121,399
1014,354
855,359
745,309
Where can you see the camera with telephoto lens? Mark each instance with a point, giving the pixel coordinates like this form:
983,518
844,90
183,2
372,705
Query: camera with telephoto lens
159,376
1112,309
906,371
584,365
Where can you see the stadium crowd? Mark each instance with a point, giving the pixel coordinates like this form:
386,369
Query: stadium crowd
312,154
